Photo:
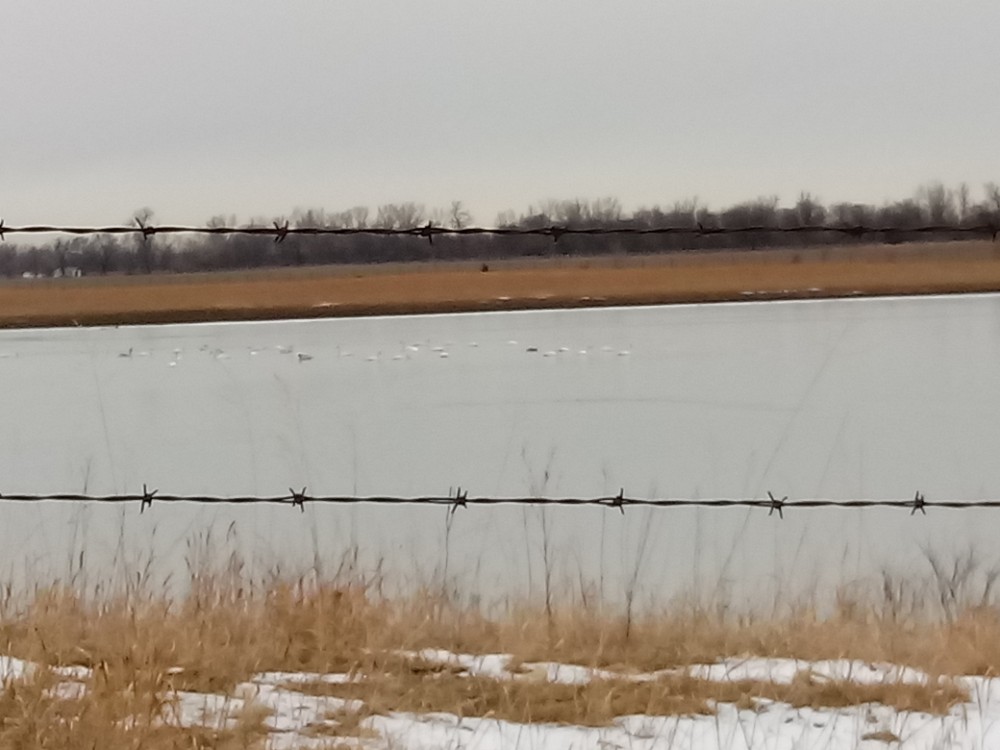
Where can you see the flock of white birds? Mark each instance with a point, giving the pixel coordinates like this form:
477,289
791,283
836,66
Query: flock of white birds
407,351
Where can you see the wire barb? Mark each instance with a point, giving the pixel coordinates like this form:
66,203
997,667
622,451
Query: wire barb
299,499
460,497
146,230
1,230
281,232
428,232
146,501
919,503
776,505
619,500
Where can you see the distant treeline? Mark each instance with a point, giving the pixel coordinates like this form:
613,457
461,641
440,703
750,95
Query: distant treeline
104,254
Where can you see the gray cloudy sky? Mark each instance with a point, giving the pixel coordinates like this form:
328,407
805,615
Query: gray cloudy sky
198,107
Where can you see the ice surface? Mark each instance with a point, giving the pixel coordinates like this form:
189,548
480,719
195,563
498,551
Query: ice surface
842,399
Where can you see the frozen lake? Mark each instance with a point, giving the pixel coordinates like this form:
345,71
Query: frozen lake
874,398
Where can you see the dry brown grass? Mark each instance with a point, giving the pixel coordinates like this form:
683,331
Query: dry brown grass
218,637
551,283
966,645
110,712
343,722
142,647
600,701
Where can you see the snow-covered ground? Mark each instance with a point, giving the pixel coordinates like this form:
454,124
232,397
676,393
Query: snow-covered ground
298,720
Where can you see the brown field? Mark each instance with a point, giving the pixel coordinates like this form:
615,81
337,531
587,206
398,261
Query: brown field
553,282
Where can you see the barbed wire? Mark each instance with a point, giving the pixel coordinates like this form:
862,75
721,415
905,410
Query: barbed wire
280,231
460,498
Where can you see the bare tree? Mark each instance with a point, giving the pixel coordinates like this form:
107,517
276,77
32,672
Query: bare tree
938,202
144,245
506,219
809,211
458,216
439,217
905,214
310,218
605,210
573,213
359,217
852,214
8,258
60,251
399,216
762,212
107,254
993,198
963,201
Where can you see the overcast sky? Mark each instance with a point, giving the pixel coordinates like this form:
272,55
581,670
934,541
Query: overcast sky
253,108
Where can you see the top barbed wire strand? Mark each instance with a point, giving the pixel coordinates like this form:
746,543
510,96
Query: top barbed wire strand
429,231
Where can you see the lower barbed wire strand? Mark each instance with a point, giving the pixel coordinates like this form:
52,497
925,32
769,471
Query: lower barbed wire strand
615,502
